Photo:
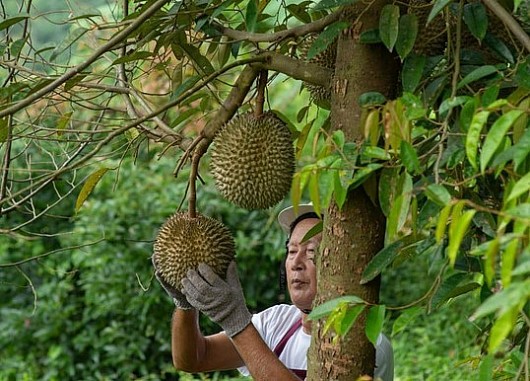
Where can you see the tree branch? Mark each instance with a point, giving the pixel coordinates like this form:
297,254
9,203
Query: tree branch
295,68
298,31
79,68
508,20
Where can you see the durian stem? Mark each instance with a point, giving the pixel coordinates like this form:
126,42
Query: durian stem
262,87
192,199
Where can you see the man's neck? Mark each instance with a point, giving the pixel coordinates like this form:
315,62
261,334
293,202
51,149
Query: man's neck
306,324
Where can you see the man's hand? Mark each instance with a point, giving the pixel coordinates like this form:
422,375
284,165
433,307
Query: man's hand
222,301
178,297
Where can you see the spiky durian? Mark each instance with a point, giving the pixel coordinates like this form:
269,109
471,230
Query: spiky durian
253,160
321,95
183,242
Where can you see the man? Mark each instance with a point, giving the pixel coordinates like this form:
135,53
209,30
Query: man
271,345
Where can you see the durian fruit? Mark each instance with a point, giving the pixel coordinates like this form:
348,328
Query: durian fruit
183,242
319,94
252,160
432,38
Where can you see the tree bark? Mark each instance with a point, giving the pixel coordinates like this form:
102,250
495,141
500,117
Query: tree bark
353,235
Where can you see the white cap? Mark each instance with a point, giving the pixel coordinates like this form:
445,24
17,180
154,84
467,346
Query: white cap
288,215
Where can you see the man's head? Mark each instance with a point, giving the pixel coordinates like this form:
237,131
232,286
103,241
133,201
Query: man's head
299,262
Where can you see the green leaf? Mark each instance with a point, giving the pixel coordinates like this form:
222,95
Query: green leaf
88,187
349,318
381,260
409,157
405,318
135,56
326,308
414,108
251,15
328,4
340,179
521,186
299,11
457,230
316,229
186,85
408,31
438,194
201,63
13,20
473,136
477,74
442,222
519,211
387,186
496,135
438,6
374,322
476,19
467,113
446,287
16,47
499,47
389,25
486,368
513,296
362,174
326,38
63,123
68,41
370,36
451,103
371,98
522,269
501,329
4,129
69,85
412,72
373,152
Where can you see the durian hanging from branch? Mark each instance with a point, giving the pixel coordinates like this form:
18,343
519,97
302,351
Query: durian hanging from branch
189,238
253,158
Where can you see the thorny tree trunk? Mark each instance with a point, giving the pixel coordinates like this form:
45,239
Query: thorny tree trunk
353,235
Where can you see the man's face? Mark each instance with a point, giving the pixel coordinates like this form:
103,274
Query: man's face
300,265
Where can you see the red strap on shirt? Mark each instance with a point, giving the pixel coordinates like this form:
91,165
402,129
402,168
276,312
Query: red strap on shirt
281,345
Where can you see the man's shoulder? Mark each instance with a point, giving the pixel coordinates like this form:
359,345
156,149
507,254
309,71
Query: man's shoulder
282,310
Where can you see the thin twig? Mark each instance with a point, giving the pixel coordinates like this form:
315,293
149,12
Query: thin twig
36,257
120,36
32,289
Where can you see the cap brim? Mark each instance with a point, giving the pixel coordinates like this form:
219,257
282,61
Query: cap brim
288,215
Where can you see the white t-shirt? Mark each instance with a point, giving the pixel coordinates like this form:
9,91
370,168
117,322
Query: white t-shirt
274,322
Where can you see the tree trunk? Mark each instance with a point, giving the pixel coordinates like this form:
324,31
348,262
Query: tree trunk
353,235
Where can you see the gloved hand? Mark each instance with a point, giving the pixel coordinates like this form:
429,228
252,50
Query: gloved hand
222,301
178,297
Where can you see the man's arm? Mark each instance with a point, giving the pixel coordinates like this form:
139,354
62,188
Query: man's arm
262,363
223,302
192,352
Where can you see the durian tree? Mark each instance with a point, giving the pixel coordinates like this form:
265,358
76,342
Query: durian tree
414,140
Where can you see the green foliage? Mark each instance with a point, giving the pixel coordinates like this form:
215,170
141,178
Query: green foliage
98,304
447,160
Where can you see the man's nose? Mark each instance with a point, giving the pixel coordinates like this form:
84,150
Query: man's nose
298,262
